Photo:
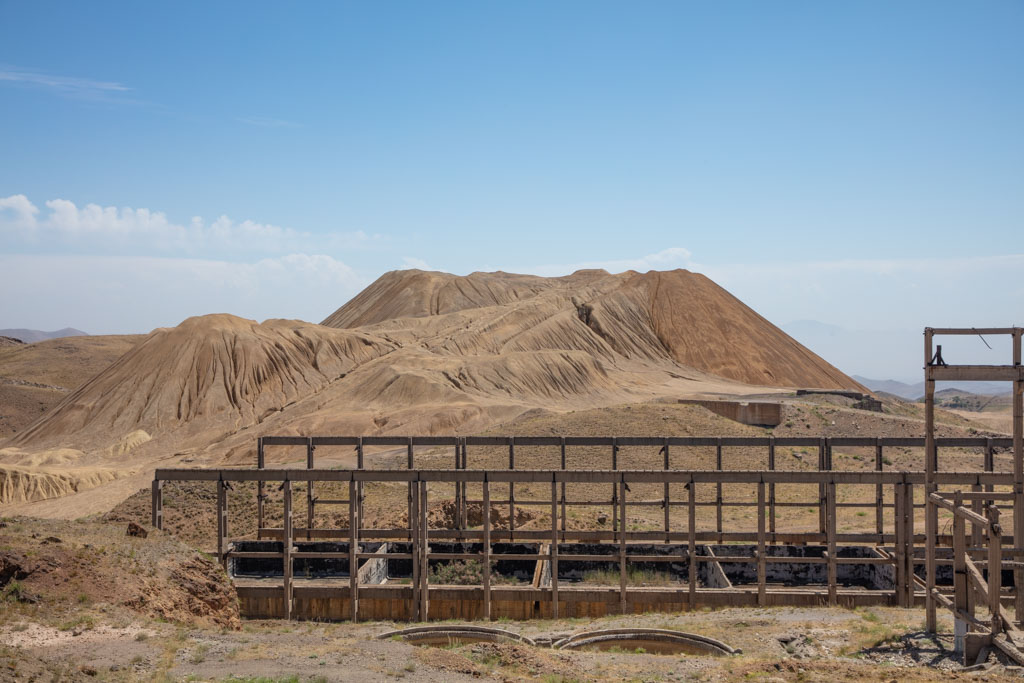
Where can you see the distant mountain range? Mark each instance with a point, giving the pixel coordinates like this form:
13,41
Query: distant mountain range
912,392
875,353
32,336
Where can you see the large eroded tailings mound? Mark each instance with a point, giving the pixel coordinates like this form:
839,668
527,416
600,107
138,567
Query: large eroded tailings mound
674,316
703,326
210,375
415,293
36,377
415,353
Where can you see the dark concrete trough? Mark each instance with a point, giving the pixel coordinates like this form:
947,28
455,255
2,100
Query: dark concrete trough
713,573
582,571
868,576
519,570
308,567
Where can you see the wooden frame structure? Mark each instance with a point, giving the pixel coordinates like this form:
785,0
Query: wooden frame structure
936,369
823,446
419,601
969,496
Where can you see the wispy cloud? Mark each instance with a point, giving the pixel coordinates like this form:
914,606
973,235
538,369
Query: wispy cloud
92,228
266,122
71,86
116,294
411,262
672,257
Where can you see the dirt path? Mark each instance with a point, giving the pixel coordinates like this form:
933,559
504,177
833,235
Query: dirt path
882,644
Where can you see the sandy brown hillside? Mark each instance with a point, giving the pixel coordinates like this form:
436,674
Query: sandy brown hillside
36,377
675,315
210,375
415,294
455,355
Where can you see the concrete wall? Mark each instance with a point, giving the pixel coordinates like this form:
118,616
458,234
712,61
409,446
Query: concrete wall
869,576
248,567
749,413
374,570
521,570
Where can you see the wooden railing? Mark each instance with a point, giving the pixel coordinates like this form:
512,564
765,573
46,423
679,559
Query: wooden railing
896,544
824,447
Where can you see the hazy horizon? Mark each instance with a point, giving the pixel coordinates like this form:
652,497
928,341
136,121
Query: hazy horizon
855,166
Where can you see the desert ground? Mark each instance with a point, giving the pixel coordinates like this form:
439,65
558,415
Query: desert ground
86,420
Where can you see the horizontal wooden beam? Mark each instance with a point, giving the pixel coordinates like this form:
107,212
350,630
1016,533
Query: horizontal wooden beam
587,476
975,373
651,441
953,331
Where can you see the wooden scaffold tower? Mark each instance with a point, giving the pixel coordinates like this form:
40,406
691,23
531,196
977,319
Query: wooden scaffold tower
936,369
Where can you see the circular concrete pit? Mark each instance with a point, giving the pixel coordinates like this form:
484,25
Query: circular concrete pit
647,640
650,640
446,635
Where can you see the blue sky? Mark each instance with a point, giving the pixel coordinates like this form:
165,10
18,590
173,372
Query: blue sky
858,164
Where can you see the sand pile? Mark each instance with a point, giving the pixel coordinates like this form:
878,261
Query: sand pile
36,377
37,475
419,353
677,315
211,375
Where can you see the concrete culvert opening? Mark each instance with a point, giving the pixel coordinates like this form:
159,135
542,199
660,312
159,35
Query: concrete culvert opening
449,635
646,640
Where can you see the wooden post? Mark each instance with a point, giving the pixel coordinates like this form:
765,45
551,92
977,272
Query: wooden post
511,490
666,502
310,500
830,494
908,541
615,466
762,565
222,522
158,504
976,508
931,518
464,486
1018,477
487,548
622,544
995,567
771,487
360,464
554,549
692,540
260,497
413,510
822,466
562,450
458,488
425,555
990,461
417,548
718,490
899,529
353,548
961,587
879,500
286,488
